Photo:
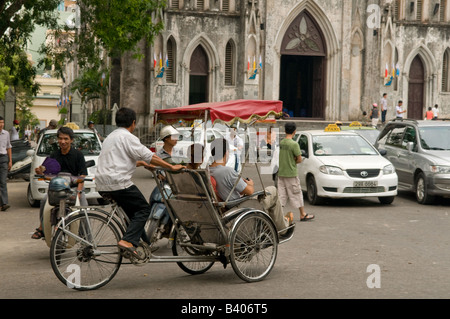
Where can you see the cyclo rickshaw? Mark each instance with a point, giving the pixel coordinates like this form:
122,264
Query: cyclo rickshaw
205,229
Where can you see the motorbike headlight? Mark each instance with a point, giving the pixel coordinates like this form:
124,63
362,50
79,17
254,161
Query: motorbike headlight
437,169
388,169
331,170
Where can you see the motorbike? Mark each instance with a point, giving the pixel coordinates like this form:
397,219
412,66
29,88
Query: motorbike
61,198
158,224
20,159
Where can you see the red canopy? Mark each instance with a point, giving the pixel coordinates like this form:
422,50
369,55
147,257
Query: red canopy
228,112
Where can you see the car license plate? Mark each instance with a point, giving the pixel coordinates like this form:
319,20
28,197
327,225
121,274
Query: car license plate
365,184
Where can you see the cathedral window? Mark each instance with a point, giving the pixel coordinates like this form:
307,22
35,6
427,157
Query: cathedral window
171,59
446,71
229,64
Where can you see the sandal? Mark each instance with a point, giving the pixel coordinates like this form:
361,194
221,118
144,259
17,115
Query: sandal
38,234
307,218
128,252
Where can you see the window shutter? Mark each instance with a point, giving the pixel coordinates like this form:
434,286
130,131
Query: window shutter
229,64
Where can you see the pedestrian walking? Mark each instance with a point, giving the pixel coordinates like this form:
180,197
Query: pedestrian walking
288,182
374,115
5,164
429,114
384,107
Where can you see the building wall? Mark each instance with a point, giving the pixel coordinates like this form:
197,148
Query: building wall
360,36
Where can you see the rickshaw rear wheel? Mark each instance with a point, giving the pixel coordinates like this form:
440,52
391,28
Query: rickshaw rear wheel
253,247
192,268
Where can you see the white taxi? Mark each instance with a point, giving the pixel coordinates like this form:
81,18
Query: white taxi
339,164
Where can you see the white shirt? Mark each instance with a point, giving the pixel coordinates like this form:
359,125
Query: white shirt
235,143
117,161
383,104
435,112
399,109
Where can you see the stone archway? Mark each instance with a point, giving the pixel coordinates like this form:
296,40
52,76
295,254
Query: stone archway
331,65
416,89
302,77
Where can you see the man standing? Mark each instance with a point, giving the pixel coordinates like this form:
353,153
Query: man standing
435,112
399,110
120,153
288,182
5,164
14,131
383,105
51,126
91,126
236,145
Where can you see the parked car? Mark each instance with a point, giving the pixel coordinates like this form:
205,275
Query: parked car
85,140
420,152
368,132
340,164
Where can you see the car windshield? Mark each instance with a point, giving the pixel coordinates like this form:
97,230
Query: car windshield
341,145
370,135
87,143
435,138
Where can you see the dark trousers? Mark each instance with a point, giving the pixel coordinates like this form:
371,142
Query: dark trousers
4,160
137,208
383,116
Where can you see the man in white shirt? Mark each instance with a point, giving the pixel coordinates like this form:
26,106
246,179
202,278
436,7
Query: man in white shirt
399,110
236,145
5,164
121,151
383,104
435,112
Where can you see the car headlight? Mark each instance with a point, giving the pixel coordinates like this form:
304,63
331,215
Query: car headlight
437,169
331,170
388,169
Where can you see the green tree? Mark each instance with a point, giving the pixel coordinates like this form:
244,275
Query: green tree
112,26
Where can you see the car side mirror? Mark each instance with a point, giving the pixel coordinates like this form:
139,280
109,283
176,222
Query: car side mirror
304,154
383,152
410,146
30,153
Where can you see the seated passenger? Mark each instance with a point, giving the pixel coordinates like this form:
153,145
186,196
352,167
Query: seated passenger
195,156
226,178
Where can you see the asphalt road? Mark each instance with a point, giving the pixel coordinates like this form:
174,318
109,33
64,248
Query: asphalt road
353,249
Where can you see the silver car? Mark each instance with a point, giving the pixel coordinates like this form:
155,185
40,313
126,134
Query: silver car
420,153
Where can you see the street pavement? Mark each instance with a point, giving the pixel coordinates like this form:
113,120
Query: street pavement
353,249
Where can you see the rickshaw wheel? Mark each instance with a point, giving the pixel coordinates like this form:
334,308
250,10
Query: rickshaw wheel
253,247
192,268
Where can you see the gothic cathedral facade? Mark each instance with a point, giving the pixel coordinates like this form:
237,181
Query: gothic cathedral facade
325,59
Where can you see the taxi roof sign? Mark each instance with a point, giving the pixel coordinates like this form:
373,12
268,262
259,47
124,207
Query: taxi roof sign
332,128
355,123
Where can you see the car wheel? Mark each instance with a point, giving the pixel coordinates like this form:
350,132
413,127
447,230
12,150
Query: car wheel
421,188
386,200
311,187
31,201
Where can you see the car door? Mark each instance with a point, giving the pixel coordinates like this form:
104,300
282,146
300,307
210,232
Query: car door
302,168
392,144
405,159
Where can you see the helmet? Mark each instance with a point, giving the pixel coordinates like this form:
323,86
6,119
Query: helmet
58,189
375,105
58,184
167,131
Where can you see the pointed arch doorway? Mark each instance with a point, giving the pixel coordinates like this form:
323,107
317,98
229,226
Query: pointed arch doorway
416,89
199,77
302,68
